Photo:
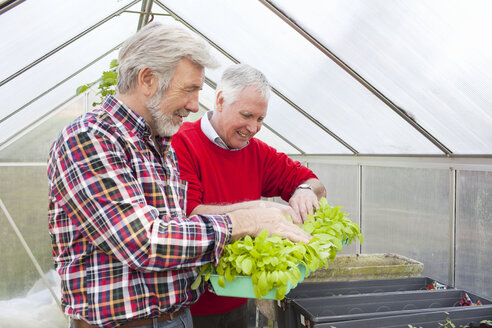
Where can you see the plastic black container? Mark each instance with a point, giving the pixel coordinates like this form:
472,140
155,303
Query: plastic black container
286,316
465,316
312,311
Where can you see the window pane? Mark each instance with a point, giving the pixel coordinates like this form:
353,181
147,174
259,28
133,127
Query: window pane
428,57
254,35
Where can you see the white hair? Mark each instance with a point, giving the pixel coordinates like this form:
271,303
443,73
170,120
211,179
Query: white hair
237,77
160,48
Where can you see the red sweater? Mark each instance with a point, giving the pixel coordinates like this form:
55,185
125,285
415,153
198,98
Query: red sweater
219,176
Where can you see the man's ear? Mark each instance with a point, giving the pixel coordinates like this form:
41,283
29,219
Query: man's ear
219,101
147,82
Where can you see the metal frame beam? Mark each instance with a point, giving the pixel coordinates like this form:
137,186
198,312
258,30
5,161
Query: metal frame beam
9,4
146,11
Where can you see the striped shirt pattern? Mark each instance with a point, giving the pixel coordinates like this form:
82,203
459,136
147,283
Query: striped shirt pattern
120,239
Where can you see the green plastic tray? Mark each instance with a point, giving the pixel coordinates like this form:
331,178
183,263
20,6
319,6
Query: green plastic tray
242,286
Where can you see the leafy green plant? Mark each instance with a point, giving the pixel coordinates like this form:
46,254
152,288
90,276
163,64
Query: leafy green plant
273,261
107,83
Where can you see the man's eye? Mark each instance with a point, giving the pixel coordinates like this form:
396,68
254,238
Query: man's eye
190,90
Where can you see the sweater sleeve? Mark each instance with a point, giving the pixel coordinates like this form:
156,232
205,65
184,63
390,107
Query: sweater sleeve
281,174
188,169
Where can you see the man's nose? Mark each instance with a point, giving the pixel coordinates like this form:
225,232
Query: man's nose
252,127
193,104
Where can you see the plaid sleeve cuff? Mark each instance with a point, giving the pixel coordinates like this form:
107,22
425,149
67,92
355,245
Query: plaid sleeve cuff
222,226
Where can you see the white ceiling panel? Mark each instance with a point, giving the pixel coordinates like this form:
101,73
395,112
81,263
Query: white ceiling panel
254,35
432,58
31,113
34,28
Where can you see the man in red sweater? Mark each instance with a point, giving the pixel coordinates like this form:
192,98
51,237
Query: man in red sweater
227,169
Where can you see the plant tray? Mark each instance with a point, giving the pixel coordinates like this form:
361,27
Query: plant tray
368,266
242,286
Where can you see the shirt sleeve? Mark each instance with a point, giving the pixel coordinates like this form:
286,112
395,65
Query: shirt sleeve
93,183
281,174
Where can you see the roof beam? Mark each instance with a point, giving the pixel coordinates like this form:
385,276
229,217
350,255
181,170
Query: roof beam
402,113
146,10
6,5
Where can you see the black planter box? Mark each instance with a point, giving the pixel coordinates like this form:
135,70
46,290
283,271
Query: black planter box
310,312
286,316
468,315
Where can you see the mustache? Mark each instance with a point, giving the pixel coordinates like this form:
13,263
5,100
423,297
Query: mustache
182,112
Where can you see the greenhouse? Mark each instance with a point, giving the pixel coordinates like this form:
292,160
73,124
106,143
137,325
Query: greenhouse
388,103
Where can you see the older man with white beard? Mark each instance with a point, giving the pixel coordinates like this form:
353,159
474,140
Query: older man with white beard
125,250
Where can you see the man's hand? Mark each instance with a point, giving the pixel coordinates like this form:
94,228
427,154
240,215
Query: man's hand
285,209
303,202
252,221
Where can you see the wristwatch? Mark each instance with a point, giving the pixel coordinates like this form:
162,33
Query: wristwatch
304,186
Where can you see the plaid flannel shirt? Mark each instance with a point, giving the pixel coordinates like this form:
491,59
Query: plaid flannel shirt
120,239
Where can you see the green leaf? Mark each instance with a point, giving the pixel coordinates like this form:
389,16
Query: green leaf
308,227
280,293
197,282
82,89
114,63
221,282
263,284
228,275
262,236
247,266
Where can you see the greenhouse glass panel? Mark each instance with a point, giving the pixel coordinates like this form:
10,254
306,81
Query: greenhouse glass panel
206,99
65,62
34,146
281,117
342,189
24,300
473,226
303,133
23,193
42,106
34,28
268,136
406,211
428,57
253,34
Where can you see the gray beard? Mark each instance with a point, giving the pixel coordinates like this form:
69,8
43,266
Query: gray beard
162,122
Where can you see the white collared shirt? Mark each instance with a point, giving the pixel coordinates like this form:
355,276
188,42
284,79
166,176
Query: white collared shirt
212,135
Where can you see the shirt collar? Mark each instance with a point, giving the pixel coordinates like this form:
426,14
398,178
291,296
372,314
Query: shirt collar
133,122
127,117
212,135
